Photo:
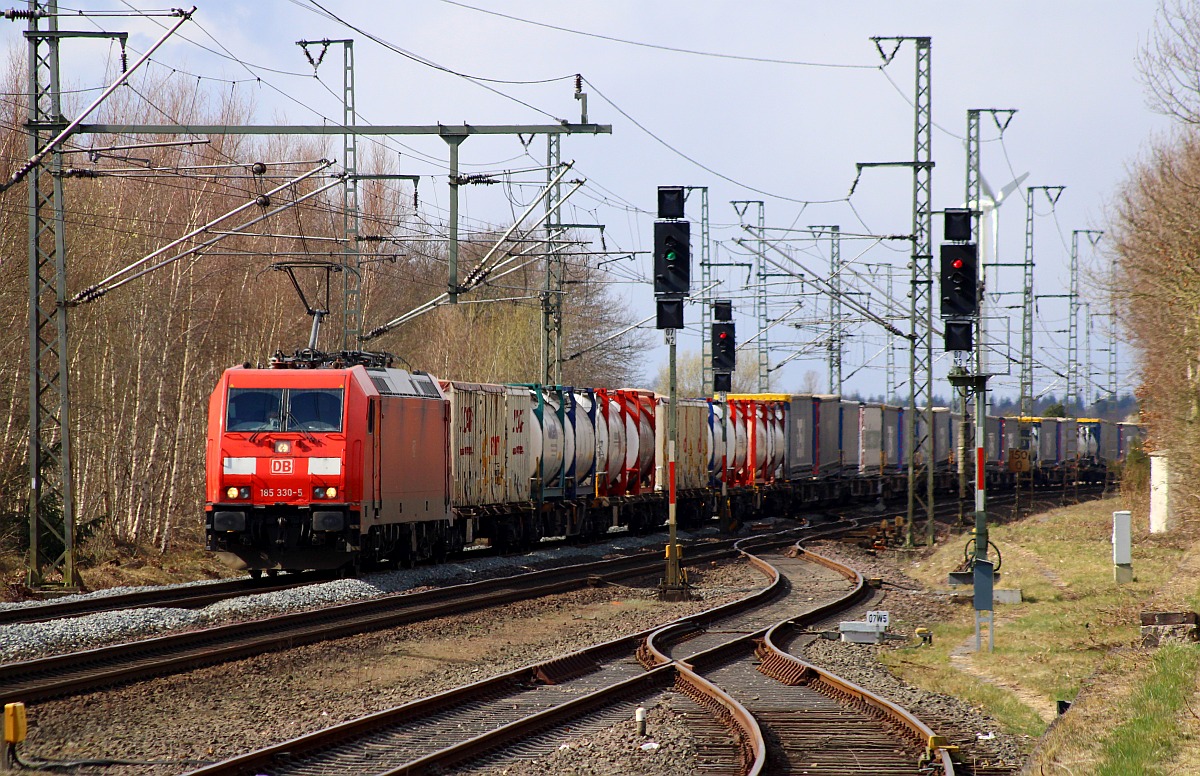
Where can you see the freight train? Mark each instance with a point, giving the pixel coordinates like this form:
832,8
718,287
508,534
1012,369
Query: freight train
332,461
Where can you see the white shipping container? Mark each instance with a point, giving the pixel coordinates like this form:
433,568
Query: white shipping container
994,446
1047,441
801,441
481,455
943,436
1012,436
520,425
893,437
691,443
848,431
1108,441
956,436
872,456
1068,440
826,412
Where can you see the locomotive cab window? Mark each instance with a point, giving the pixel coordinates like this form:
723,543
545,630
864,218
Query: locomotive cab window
254,409
277,409
314,409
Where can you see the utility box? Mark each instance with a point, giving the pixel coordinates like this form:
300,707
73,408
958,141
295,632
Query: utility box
984,578
862,632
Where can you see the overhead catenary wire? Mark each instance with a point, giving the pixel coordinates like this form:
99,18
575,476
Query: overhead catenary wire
68,130
482,269
122,276
661,47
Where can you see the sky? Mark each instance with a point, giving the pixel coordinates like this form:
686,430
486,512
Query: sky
772,101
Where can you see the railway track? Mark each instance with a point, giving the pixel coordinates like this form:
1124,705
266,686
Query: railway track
818,723
179,596
71,673
596,685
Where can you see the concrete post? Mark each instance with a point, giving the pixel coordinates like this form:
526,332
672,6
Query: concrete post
1161,514
1122,543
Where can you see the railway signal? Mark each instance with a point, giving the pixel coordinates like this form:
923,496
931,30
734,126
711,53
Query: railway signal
668,313
956,224
960,335
724,357
670,202
672,257
959,280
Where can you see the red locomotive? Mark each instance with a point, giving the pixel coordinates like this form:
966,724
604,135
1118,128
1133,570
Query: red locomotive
321,468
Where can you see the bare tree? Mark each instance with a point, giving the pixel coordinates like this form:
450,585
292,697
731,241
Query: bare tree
1169,62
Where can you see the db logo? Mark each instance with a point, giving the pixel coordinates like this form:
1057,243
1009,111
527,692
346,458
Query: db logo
281,466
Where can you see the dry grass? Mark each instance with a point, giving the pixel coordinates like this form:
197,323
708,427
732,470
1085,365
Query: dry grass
121,565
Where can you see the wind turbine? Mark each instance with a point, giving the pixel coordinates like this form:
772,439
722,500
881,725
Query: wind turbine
989,246
989,218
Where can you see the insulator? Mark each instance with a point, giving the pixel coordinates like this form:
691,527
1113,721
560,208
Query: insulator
258,168
17,13
263,200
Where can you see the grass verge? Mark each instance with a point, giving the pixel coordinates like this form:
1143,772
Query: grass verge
1148,739
1073,615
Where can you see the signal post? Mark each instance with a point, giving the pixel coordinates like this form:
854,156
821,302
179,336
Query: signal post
672,281
960,313
724,360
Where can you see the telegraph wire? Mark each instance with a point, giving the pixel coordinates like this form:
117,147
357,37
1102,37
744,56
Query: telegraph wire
477,80
659,47
700,164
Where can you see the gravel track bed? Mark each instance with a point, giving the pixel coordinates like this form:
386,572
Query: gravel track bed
26,641
667,749
217,712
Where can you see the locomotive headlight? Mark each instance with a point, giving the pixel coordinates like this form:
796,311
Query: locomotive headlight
331,493
283,446
231,492
320,491
244,492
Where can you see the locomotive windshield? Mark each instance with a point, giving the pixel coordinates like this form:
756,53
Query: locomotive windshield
284,409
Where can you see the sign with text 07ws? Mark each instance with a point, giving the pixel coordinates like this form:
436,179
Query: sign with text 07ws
878,618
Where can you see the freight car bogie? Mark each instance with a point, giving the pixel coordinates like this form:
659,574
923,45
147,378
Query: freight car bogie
402,545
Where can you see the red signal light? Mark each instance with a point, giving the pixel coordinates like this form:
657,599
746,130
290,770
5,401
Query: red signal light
957,264
722,335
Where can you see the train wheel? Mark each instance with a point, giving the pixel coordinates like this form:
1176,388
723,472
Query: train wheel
272,573
256,574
